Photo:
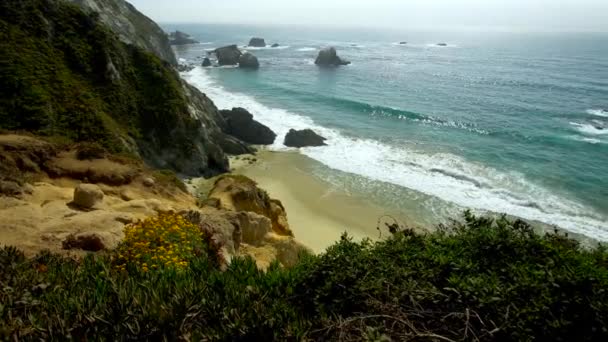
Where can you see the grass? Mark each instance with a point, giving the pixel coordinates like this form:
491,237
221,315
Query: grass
476,280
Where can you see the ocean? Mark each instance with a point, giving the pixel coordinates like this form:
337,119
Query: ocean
511,123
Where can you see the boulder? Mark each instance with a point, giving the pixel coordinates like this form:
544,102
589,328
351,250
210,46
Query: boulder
257,42
148,181
181,38
87,195
239,193
402,43
275,45
90,242
303,138
184,67
248,61
442,44
235,146
329,57
206,62
240,123
228,55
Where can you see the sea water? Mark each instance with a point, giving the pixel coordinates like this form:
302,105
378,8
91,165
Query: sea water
505,122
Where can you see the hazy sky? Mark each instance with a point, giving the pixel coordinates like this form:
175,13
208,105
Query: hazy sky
543,15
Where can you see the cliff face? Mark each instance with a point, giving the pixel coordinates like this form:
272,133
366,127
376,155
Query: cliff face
64,73
131,26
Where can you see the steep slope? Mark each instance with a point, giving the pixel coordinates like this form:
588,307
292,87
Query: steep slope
131,26
64,73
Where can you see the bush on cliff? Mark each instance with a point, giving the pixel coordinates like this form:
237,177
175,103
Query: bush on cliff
477,280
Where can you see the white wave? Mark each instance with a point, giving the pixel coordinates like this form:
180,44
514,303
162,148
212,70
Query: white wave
593,141
590,129
445,176
307,49
181,60
597,112
267,47
206,43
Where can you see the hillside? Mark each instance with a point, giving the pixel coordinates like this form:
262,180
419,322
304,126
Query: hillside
65,74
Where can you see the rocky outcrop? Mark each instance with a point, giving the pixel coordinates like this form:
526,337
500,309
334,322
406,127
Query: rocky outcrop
442,44
248,61
275,45
206,62
181,38
329,57
239,193
240,123
131,26
228,55
303,138
86,196
257,42
402,43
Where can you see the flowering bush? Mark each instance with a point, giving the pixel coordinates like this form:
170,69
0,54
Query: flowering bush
164,241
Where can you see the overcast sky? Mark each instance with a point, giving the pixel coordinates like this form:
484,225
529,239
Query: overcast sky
535,15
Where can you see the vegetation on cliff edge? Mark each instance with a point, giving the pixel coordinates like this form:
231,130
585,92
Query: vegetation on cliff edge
477,280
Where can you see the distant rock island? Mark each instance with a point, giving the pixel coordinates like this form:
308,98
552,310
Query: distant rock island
442,44
329,57
257,42
181,38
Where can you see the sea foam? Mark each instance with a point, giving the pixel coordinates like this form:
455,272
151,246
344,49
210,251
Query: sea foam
597,112
442,175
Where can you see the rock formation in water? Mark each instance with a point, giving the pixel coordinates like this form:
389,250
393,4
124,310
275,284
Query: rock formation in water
228,55
206,62
329,57
181,38
248,61
240,123
275,45
257,42
303,138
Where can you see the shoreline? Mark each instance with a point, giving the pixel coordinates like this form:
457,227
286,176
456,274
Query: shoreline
318,212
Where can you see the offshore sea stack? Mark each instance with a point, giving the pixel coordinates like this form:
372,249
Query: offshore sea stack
228,55
329,57
303,138
181,38
257,42
249,61
240,124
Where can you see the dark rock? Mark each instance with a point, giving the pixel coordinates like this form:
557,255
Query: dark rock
303,138
402,43
181,38
257,42
228,55
240,123
206,62
184,67
234,146
329,57
275,45
442,44
248,61
91,242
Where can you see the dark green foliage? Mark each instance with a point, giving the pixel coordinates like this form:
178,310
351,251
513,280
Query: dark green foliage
62,73
479,280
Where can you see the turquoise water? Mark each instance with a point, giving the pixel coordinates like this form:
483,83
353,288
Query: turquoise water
514,123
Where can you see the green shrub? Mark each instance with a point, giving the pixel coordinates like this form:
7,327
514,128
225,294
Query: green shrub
477,280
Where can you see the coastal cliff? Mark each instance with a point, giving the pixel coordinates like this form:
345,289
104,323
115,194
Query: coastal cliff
65,74
132,26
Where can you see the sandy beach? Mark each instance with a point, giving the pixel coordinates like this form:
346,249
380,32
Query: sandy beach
318,212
